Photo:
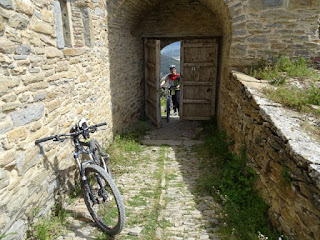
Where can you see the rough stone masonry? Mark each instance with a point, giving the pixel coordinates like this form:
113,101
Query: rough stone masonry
66,59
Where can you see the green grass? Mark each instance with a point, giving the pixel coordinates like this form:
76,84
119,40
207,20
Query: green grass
296,98
227,178
137,201
51,227
279,68
127,146
6,235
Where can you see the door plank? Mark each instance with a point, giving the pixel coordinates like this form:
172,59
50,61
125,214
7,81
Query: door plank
199,60
152,75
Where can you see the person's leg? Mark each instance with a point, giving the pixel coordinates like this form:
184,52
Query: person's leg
177,99
174,101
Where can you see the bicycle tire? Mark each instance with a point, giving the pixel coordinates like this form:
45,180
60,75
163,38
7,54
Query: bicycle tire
108,210
100,156
168,109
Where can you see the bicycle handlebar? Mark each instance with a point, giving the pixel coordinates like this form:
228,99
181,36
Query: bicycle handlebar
92,129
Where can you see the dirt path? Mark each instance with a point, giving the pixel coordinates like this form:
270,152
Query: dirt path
159,192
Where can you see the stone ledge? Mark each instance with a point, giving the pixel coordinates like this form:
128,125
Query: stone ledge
303,147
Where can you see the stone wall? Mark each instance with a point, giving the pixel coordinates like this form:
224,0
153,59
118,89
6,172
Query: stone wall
66,59
285,157
48,81
261,28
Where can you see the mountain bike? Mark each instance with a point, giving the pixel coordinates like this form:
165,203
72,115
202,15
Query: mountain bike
169,103
99,191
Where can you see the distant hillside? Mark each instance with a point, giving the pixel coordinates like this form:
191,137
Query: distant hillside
165,65
172,50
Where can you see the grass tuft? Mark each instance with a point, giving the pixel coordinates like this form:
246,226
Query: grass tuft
279,68
227,177
49,228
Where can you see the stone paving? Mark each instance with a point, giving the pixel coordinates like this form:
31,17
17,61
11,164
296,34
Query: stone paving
159,192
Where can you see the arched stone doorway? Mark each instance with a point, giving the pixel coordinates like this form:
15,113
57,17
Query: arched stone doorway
130,22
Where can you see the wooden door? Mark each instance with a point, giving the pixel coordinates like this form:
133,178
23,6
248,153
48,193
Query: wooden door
199,60
152,77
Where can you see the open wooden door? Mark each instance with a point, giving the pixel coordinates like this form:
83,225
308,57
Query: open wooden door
152,84
199,61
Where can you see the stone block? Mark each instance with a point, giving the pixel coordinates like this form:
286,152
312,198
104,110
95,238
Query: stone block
41,27
23,49
39,96
17,71
62,66
27,115
52,52
7,158
28,160
34,70
4,179
38,86
279,14
298,4
5,126
6,46
17,134
47,16
14,206
10,106
18,21
6,4
3,217
9,98
21,57
39,133
24,6
2,26
37,60
73,52
36,126
51,106
33,78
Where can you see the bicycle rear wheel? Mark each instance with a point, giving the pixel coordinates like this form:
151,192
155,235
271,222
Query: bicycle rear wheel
168,109
100,156
103,200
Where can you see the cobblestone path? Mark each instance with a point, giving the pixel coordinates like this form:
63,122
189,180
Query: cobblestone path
159,192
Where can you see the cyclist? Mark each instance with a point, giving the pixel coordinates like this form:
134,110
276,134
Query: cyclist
174,82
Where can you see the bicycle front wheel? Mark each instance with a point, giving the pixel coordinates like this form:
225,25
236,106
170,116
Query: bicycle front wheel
103,200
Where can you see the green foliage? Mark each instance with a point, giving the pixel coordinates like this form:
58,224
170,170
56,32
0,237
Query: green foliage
313,95
125,146
296,98
228,176
49,228
279,68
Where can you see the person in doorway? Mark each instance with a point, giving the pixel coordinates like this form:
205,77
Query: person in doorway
174,82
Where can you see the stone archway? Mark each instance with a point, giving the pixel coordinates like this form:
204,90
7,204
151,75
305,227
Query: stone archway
130,22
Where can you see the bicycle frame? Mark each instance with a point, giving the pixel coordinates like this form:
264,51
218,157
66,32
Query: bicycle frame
81,165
